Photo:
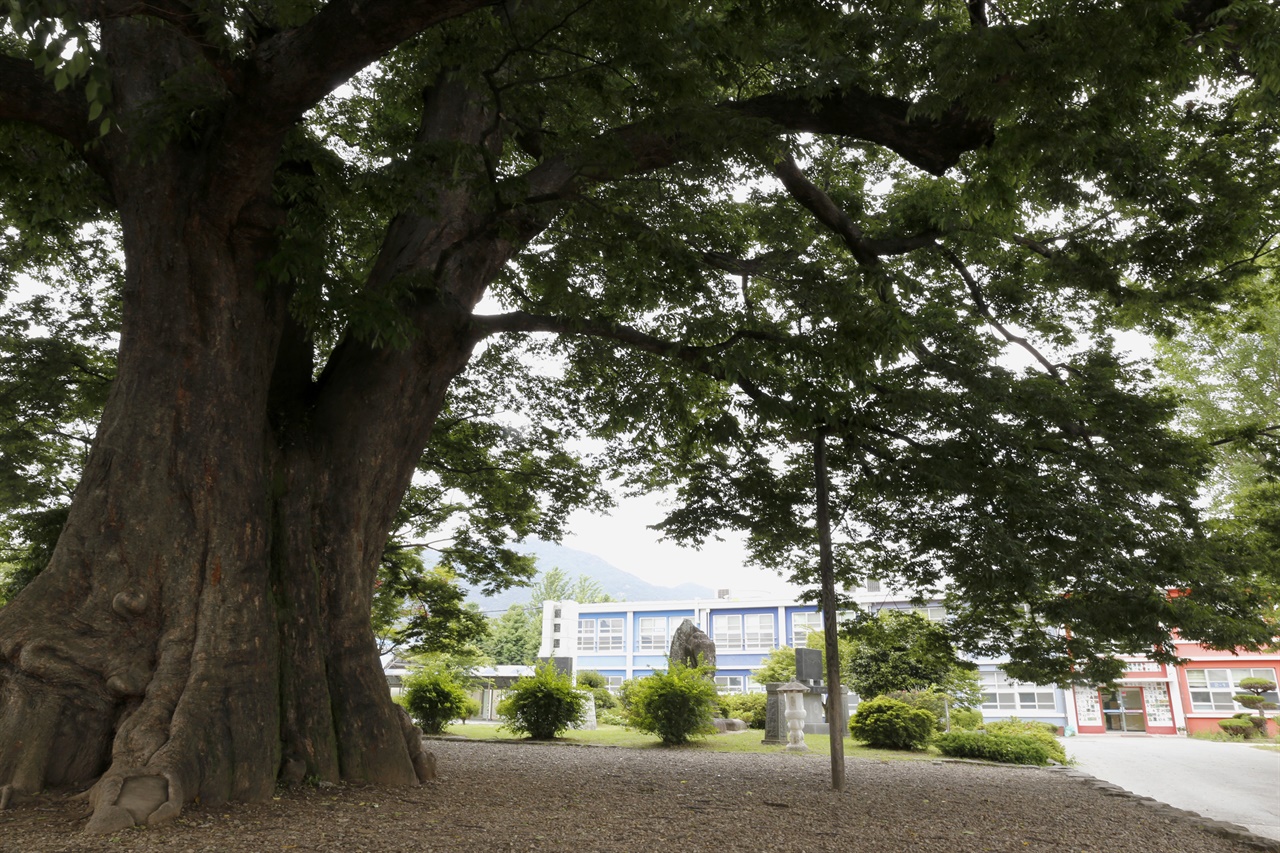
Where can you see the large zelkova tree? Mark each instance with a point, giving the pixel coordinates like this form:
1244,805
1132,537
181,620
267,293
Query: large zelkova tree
311,200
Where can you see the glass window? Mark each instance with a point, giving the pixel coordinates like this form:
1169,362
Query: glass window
1213,689
1001,693
586,635
758,631
873,586
652,631
802,625
609,636
729,683
726,631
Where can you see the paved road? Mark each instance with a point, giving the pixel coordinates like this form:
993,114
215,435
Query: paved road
1231,782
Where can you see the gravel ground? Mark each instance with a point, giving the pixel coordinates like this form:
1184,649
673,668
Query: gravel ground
526,796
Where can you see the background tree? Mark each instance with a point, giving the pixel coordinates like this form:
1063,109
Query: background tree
899,650
418,610
300,264
1225,367
513,638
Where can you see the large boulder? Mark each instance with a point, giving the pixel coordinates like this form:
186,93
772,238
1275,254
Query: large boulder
692,647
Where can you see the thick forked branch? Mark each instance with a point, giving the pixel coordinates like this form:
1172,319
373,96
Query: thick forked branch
291,72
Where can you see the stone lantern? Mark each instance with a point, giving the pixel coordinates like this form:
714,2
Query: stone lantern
793,701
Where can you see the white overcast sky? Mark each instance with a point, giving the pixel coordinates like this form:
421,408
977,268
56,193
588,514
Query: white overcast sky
624,540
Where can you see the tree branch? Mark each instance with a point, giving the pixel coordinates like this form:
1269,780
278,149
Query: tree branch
933,145
866,252
984,310
1273,430
290,72
28,96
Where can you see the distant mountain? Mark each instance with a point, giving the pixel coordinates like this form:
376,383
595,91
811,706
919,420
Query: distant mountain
623,586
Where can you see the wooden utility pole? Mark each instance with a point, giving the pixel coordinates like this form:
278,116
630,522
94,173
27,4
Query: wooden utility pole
826,562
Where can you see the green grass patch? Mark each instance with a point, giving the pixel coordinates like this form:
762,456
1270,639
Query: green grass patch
748,741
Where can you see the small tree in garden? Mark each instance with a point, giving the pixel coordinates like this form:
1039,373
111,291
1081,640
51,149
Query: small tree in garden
676,705
542,705
1255,700
436,695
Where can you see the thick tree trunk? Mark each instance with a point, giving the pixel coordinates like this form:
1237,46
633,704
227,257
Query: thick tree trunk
204,625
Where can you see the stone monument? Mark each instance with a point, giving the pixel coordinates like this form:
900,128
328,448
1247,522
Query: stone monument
692,647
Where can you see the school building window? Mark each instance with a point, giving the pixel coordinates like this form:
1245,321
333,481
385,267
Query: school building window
1002,693
802,625
726,631
586,635
757,630
600,635
752,631
730,683
610,634
654,632
1212,689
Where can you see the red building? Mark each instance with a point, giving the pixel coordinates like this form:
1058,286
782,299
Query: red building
1159,699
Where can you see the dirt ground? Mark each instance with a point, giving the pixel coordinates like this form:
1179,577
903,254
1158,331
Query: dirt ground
526,796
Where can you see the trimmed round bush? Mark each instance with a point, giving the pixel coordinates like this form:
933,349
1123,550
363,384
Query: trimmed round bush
966,718
434,697
542,705
1007,748
886,723
1237,727
676,705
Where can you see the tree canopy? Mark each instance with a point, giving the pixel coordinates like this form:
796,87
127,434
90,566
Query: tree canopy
375,263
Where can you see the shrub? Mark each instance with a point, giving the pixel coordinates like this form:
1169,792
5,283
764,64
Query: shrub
1008,748
676,705
435,696
626,695
966,718
748,707
890,724
542,705
605,701
611,718
1041,732
1236,727
591,679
